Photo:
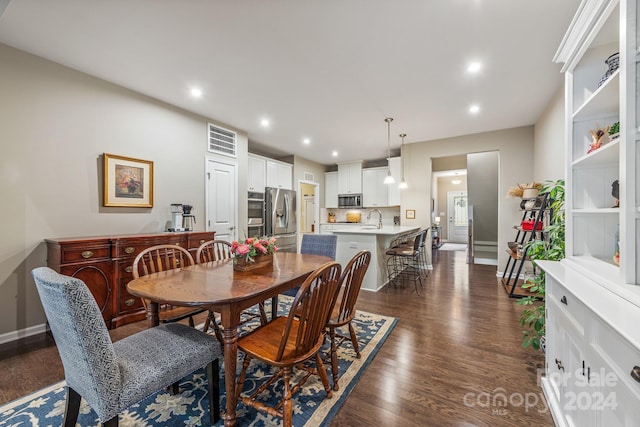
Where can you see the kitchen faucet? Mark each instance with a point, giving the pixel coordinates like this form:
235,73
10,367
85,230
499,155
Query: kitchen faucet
379,216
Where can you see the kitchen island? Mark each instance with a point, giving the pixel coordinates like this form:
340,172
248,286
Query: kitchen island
352,240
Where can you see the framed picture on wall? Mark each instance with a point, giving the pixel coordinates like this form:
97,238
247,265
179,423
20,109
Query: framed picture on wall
411,214
128,182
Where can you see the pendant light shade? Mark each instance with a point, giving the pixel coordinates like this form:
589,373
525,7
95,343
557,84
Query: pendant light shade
403,183
389,179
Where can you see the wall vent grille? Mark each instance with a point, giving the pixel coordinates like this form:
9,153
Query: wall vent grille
222,141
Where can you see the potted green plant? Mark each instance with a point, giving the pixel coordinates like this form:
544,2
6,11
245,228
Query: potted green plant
551,248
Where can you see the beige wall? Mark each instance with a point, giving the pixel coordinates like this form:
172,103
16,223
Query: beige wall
549,150
302,165
515,147
56,123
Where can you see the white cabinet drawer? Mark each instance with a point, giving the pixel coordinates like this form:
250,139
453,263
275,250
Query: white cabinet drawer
617,352
569,305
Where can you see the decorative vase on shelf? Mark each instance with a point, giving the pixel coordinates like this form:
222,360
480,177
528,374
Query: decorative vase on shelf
530,193
260,261
613,62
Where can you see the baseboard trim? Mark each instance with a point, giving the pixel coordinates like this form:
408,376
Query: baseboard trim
23,333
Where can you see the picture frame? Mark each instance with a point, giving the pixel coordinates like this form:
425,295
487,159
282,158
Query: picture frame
410,214
127,182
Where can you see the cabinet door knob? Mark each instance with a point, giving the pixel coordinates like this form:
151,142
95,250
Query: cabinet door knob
129,269
202,241
564,300
129,249
87,254
130,302
177,243
635,373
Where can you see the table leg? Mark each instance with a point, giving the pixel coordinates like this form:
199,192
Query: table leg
230,335
274,307
153,318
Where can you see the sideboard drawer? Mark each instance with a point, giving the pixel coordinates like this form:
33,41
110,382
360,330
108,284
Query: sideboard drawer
618,352
133,248
91,252
194,240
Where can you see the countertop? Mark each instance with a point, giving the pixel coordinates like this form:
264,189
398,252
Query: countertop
388,230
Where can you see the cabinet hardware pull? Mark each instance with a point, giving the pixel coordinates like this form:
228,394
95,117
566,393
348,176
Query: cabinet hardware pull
177,243
202,241
564,300
130,302
129,249
129,269
635,373
588,374
583,368
87,254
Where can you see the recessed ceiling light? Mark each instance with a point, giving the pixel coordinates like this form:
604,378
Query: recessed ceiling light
456,181
334,153
474,67
474,109
265,122
196,92
306,141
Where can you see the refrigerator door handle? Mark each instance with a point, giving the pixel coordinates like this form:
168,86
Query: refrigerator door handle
286,211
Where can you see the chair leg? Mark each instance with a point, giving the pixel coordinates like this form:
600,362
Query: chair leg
322,372
334,359
354,340
175,388
193,325
213,388
287,408
207,323
113,422
243,375
72,408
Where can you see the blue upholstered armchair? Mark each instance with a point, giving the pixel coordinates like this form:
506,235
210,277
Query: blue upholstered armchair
316,244
113,376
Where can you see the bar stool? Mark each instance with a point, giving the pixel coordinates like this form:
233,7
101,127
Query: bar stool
405,262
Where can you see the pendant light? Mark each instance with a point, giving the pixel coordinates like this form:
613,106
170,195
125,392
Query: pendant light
389,179
403,183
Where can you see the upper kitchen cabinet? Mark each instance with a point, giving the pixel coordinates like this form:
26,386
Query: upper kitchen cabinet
331,189
257,179
279,175
374,191
350,178
393,196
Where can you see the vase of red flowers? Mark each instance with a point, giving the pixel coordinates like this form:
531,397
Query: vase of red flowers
253,253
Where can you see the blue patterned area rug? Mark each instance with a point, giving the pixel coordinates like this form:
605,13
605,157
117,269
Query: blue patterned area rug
190,408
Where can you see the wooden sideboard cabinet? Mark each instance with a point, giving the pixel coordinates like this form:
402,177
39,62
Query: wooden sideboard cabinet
105,264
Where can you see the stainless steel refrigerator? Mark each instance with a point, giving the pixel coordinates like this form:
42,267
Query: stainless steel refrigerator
280,220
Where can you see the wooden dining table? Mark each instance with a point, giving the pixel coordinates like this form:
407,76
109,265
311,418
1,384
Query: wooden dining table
217,286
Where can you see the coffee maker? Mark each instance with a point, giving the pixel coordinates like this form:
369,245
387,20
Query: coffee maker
188,220
176,217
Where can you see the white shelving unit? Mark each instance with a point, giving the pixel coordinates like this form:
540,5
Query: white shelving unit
592,304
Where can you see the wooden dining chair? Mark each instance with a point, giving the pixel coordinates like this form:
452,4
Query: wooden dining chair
287,342
345,308
160,258
218,250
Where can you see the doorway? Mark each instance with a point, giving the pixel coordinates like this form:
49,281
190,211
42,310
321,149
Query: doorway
457,216
222,203
309,208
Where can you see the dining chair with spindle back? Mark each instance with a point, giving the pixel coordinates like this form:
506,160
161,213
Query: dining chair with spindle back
156,259
344,309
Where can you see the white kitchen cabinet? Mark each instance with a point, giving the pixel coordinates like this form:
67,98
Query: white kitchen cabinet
257,179
326,228
374,190
350,178
279,174
393,192
331,189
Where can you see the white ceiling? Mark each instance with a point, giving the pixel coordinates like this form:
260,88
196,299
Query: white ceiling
328,70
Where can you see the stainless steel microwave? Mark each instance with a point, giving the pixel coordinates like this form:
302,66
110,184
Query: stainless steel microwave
349,200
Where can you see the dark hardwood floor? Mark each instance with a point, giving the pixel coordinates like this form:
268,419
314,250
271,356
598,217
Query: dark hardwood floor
454,358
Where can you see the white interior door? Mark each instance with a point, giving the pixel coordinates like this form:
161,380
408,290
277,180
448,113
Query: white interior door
222,206
458,216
